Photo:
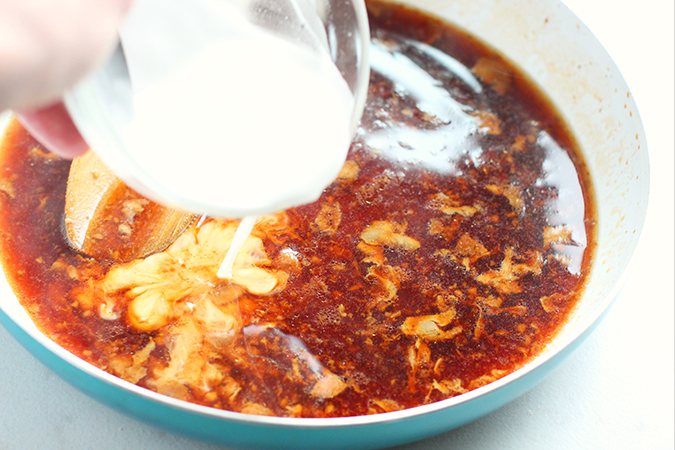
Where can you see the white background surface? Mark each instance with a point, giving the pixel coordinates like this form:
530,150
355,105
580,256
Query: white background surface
615,392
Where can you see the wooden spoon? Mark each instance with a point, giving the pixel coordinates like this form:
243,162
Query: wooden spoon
107,220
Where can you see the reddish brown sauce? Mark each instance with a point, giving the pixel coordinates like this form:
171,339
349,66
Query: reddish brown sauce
447,254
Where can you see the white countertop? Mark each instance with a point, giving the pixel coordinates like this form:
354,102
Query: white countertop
616,392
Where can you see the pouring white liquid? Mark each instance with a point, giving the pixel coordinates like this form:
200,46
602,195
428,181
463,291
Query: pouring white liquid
243,232
249,124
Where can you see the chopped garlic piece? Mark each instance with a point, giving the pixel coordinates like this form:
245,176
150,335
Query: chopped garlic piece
257,409
329,218
512,194
390,234
558,235
328,386
506,279
349,172
450,206
429,327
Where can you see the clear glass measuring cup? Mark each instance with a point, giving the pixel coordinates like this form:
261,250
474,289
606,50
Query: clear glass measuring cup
158,37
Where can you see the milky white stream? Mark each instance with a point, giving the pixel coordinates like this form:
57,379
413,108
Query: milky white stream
249,123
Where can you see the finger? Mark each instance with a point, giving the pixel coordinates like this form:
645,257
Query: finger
55,130
46,46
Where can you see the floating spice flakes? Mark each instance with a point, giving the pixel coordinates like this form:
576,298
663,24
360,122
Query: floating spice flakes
438,261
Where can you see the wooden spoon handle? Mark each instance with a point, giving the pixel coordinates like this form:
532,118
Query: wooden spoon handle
107,220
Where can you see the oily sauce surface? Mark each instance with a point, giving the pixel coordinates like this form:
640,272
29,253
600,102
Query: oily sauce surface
447,254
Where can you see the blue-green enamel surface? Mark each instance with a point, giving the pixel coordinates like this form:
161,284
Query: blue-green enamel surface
314,434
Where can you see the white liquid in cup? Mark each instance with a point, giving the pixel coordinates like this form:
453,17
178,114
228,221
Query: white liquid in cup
248,124
252,124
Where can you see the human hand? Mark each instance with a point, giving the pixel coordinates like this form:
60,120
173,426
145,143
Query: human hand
46,46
